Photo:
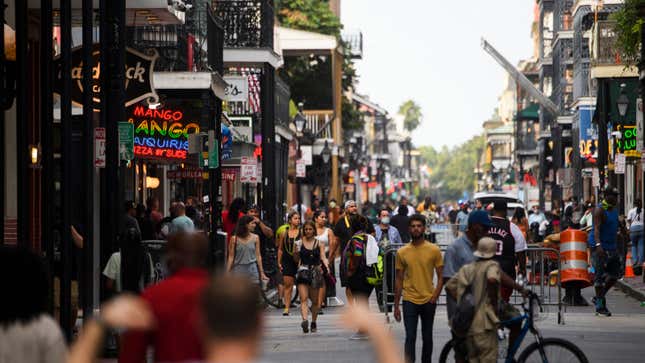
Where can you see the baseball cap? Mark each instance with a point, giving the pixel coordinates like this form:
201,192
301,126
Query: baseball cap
479,217
486,248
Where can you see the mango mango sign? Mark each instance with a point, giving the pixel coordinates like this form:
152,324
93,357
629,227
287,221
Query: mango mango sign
628,142
161,133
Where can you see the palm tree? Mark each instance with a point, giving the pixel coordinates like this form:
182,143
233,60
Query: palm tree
412,115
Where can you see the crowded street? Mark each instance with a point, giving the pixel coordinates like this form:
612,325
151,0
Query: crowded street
264,181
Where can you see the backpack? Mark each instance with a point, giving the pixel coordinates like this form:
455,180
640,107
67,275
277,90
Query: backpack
375,272
347,254
466,308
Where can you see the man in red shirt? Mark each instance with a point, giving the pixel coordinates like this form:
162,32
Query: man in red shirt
175,305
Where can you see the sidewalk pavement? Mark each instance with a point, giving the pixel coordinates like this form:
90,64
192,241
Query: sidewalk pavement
634,287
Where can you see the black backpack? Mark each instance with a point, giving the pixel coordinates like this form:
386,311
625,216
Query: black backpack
466,308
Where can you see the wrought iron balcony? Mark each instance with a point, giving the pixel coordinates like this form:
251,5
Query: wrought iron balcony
247,24
354,42
604,52
319,123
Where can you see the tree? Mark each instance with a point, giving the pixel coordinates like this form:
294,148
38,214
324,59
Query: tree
628,26
412,115
452,169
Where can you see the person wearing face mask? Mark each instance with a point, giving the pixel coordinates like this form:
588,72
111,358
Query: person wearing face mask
385,233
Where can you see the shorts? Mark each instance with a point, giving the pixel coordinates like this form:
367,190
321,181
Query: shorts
289,267
482,347
359,286
317,279
607,266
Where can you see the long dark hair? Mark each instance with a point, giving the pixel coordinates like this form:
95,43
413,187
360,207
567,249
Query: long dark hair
241,230
310,224
133,260
237,206
24,279
519,214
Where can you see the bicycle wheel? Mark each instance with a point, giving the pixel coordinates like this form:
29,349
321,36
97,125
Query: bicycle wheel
555,350
448,353
271,294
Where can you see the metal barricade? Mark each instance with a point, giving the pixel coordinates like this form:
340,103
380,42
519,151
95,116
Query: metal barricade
543,278
443,234
386,295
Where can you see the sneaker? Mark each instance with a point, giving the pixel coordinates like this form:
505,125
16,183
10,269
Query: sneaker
314,327
305,326
321,312
285,312
358,336
601,307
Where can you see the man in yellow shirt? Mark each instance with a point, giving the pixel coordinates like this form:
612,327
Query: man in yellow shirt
416,264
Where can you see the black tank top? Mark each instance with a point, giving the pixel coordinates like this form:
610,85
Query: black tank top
290,242
505,255
310,257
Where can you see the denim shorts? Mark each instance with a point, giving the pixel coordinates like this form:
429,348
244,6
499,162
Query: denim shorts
606,266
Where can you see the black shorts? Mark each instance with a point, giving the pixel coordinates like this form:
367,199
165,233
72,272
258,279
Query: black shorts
359,286
289,267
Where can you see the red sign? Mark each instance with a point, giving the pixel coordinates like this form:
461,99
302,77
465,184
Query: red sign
229,174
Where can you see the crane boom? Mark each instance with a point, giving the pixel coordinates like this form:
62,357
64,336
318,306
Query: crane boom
521,79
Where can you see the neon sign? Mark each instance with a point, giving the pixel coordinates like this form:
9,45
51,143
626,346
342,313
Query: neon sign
627,143
161,133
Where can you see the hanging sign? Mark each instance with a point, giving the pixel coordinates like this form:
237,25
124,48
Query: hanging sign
248,170
237,89
619,164
126,141
301,168
640,128
138,76
227,143
99,147
161,133
627,144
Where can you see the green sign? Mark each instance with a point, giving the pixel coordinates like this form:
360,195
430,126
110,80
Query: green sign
126,141
213,151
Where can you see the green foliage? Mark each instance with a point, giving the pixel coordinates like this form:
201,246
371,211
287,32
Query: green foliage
412,115
309,15
452,169
628,25
304,75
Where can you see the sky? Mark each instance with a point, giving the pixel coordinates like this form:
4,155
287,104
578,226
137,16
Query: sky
429,51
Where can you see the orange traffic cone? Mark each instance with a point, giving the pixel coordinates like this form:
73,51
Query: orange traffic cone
629,269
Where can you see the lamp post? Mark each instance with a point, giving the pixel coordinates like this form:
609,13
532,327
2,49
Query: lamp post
622,103
299,121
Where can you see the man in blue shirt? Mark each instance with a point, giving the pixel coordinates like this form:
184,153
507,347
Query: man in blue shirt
602,241
384,231
462,217
181,223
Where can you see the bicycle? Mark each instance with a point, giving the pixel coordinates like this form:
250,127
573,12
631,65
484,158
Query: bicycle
269,289
543,350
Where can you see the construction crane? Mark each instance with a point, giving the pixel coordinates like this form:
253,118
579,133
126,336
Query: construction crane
521,79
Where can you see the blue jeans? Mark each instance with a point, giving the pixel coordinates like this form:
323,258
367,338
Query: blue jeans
638,245
411,314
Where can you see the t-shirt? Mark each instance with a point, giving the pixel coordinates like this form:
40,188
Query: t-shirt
113,271
462,220
39,340
343,231
520,241
635,218
418,264
182,223
458,254
401,224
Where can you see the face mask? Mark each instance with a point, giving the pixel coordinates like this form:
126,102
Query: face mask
385,220
332,205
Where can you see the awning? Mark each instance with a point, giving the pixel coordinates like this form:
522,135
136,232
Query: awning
529,113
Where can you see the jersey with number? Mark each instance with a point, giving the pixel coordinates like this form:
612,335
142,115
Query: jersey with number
505,254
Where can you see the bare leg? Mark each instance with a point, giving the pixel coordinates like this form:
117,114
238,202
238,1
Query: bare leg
303,290
321,295
315,303
350,298
288,289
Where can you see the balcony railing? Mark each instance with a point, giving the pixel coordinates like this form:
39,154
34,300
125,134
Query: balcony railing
604,51
247,24
319,123
354,42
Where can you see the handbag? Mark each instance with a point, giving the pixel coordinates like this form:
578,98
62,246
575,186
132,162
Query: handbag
330,279
304,275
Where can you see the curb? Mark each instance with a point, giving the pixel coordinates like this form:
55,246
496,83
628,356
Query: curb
631,291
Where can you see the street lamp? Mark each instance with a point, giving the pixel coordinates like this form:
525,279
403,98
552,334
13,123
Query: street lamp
622,102
326,156
299,120
326,153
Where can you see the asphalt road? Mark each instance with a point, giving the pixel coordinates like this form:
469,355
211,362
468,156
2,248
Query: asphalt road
619,338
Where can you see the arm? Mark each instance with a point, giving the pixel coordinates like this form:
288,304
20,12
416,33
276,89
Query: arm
322,255
258,257
398,289
507,281
333,247
520,248
598,219
231,253
280,250
268,232
124,312
437,290
77,238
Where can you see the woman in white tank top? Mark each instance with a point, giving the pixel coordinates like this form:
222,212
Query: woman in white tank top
324,235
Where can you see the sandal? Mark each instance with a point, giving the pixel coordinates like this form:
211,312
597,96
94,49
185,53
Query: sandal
305,326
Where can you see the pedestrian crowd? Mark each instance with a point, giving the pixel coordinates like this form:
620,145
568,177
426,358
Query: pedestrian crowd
195,315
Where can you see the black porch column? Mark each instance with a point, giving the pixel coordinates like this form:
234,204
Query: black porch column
22,122
112,30
269,204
